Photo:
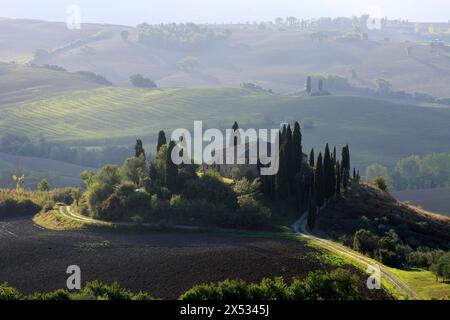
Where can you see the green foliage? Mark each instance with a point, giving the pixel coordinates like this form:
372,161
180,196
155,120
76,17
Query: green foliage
180,36
441,268
210,186
43,186
377,170
381,183
336,285
415,172
9,293
365,241
135,170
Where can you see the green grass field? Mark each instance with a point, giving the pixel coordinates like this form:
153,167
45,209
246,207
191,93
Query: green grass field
424,283
378,131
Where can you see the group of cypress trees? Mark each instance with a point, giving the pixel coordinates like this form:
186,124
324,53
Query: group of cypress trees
331,177
307,182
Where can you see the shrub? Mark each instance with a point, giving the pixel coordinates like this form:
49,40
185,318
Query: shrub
95,77
381,183
365,241
12,207
336,285
9,293
138,80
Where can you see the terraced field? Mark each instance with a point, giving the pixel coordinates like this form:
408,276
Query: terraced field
378,131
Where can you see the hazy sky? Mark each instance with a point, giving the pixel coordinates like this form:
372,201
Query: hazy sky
132,12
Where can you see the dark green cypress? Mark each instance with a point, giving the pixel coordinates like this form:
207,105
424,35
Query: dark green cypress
334,155
290,159
139,149
282,180
297,147
319,181
338,178
328,173
235,128
161,140
345,180
311,158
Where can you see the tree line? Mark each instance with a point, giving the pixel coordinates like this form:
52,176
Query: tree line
308,183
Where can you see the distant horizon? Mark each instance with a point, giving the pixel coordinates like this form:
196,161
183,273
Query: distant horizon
200,22
133,12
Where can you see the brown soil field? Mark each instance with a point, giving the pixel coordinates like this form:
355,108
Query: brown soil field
164,264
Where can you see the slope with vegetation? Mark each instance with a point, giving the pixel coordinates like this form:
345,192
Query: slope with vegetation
409,239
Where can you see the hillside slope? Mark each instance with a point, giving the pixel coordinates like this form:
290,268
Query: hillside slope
19,83
275,58
365,207
377,131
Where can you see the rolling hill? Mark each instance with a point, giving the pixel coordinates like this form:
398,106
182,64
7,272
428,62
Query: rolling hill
378,131
20,82
276,58
59,174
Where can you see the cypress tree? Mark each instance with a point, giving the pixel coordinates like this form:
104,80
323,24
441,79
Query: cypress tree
139,149
311,158
235,128
319,181
345,180
171,177
338,178
334,155
161,140
345,166
328,173
282,180
297,147
290,159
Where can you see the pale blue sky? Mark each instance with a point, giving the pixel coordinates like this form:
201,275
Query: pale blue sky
132,12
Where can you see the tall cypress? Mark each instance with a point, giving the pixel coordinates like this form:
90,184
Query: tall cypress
312,158
282,180
297,147
161,140
328,173
139,149
319,181
338,178
290,159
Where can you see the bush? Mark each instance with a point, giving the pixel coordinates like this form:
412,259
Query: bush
95,77
17,208
336,285
9,293
138,80
365,241
381,183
